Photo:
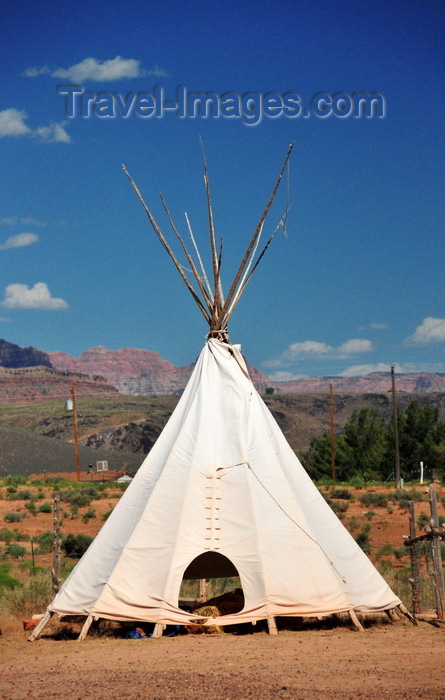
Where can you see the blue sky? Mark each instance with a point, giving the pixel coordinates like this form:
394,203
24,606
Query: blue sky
358,282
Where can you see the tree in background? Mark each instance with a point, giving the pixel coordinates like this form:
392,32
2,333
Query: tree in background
366,448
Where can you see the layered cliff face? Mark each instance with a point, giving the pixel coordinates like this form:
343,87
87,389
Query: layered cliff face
375,383
36,383
136,372
14,356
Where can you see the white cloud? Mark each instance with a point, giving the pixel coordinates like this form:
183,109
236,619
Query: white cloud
54,133
20,296
362,370
34,72
12,123
25,221
19,241
117,68
355,346
374,327
431,330
379,326
312,349
286,376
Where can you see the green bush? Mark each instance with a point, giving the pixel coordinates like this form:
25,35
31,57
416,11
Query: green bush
422,520
80,497
31,506
16,551
6,580
13,517
12,489
377,500
90,513
45,508
33,597
362,538
45,542
6,535
339,506
370,514
353,524
402,497
22,495
106,515
341,493
75,546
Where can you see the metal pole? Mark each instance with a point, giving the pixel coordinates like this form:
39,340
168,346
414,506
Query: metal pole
76,441
331,417
396,429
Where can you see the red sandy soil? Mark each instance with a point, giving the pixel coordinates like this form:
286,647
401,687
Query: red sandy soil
385,661
329,661
387,525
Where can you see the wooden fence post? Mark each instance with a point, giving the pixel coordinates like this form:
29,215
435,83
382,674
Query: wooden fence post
438,578
415,563
55,571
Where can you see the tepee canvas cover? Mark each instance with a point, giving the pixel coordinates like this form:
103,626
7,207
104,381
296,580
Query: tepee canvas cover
222,479
221,493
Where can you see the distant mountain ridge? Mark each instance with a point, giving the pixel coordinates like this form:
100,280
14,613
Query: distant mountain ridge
137,372
143,372
14,356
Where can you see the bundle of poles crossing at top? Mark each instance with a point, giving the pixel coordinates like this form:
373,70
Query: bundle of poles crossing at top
216,308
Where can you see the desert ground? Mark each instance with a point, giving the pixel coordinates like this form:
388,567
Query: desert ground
386,661
321,659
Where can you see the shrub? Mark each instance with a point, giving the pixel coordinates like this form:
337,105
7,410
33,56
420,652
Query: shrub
16,551
31,506
106,515
377,500
353,524
386,550
341,493
22,495
339,506
13,517
370,514
12,489
45,542
45,508
404,497
75,546
422,520
30,598
79,497
362,538
6,535
6,580
357,481
90,513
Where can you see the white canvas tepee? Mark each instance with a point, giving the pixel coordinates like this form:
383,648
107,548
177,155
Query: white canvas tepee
222,493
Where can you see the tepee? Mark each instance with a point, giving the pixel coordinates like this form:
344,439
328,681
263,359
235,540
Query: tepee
221,493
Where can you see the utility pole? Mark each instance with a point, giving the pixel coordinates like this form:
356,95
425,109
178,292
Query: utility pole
331,417
396,429
76,440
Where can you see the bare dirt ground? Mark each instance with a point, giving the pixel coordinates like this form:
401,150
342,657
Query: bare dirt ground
385,661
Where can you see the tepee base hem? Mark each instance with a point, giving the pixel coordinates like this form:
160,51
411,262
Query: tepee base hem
227,620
